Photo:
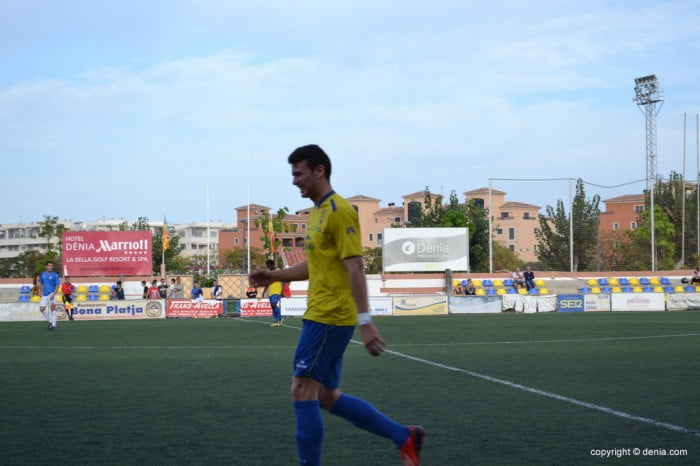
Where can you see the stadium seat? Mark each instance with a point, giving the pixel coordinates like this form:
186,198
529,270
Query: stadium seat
627,289
595,290
690,289
501,291
81,289
476,282
455,283
107,289
81,297
93,289
544,290
605,289
697,289
93,297
592,282
665,281
585,289
654,281
637,289
624,282
490,292
533,292
658,289
679,289
498,283
487,283
511,290
603,281
25,289
668,289
480,292
24,298
522,291
507,282
104,297
613,281
539,282
648,289
634,281
644,281
616,289
34,299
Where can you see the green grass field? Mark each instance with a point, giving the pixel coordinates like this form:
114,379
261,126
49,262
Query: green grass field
217,391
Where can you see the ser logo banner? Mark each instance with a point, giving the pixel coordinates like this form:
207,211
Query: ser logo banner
570,303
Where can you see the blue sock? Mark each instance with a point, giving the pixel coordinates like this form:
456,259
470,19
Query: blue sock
366,416
309,432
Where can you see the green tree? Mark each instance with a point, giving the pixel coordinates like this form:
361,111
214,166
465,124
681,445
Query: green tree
373,260
504,258
50,230
139,225
664,237
553,235
26,264
235,260
276,225
173,251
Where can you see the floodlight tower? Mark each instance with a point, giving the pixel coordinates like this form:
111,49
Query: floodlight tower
649,97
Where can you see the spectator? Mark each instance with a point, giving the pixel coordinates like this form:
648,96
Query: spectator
518,279
36,287
176,291
117,290
251,292
529,277
695,280
163,288
197,292
153,292
469,290
67,290
145,289
217,291
458,290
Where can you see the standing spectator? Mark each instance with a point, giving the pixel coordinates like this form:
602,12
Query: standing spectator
49,286
153,292
217,291
117,290
145,289
529,277
67,290
163,288
274,293
176,290
251,292
197,292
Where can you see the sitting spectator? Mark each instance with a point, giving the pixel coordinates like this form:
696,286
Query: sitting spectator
529,277
458,290
117,290
518,279
469,290
36,287
696,277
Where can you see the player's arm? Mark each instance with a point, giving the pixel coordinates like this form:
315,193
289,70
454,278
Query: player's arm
264,277
358,287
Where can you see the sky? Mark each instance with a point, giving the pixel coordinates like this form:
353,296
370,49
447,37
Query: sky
122,109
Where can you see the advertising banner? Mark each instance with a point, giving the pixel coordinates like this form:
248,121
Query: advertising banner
637,302
20,312
105,253
520,303
547,303
256,308
596,302
682,302
379,306
196,309
420,305
475,304
425,249
293,306
570,303
116,310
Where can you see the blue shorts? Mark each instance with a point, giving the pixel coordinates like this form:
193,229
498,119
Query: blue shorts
319,354
274,300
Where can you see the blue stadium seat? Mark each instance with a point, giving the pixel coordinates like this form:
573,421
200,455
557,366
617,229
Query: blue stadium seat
511,290
603,282
585,289
93,297
507,282
690,289
624,282
534,291
648,289
491,292
626,289
606,289
24,298
93,289
668,289
487,283
25,289
644,281
665,281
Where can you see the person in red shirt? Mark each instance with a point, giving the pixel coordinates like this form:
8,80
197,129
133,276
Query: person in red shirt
153,291
67,290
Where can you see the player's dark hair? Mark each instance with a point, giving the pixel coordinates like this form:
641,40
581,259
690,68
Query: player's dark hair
269,262
314,157
48,262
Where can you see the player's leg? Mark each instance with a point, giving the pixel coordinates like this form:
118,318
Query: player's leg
43,304
53,314
309,431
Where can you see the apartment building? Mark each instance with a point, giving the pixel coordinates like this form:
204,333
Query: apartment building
621,212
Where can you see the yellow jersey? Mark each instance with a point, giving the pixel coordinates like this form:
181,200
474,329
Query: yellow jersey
274,288
332,235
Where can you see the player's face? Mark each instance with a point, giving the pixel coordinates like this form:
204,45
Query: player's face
306,179
49,267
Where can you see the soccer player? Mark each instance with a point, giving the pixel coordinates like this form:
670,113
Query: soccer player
274,292
67,290
50,282
337,301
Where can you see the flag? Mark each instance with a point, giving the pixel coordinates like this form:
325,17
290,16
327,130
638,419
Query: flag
166,235
271,232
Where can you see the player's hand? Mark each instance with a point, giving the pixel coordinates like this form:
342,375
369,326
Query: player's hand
371,339
260,278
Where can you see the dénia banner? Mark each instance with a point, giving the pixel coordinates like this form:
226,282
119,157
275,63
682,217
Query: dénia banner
105,253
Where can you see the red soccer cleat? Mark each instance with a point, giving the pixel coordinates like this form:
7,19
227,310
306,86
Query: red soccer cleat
410,451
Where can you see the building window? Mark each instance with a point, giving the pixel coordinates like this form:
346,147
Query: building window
397,219
511,233
235,240
414,211
370,237
504,215
511,247
245,240
616,226
478,202
633,225
526,215
380,237
376,220
639,209
499,231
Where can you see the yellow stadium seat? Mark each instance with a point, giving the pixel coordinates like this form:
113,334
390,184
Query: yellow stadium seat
82,289
637,289
81,297
498,282
539,282
654,281
501,291
522,291
544,291
34,299
476,283
595,290
104,297
592,282
105,289
679,289
613,281
616,289
480,292
634,281
697,289
658,289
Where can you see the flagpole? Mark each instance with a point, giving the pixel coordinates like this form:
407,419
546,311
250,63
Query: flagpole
162,248
248,230
208,236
